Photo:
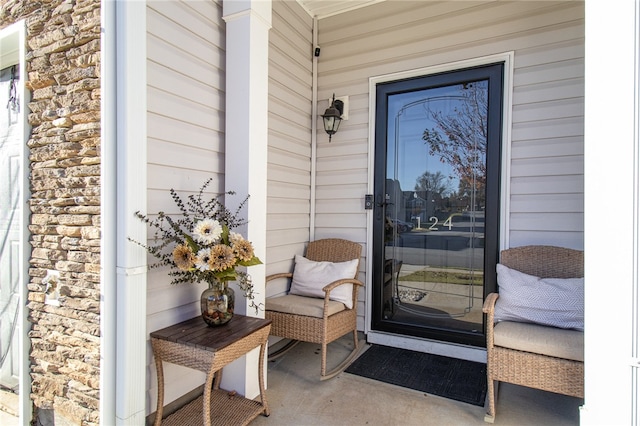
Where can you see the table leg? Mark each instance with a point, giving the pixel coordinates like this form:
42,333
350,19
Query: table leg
160,403
218,379
206,398
263,396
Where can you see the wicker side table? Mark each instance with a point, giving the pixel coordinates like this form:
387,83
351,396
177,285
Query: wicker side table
195,345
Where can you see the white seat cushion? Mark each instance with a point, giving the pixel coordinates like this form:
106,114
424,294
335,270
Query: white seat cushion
302,305
540,339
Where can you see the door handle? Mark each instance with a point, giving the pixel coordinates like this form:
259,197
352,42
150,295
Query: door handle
381,203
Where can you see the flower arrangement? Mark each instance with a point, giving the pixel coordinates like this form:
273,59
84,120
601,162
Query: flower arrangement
199,245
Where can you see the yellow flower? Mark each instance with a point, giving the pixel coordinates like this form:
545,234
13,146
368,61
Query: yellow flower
222,257
243,250
183,257
234,237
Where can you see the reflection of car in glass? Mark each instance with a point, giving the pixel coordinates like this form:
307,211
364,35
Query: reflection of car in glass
402,226
465,219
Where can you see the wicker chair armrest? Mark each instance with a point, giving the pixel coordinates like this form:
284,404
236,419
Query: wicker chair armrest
276,276
327,289
490,303
489,308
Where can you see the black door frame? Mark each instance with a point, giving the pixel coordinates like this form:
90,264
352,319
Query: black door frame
494,72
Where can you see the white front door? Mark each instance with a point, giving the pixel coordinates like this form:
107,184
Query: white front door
10,212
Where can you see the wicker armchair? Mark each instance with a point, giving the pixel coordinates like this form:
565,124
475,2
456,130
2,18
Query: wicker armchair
506,364
317,320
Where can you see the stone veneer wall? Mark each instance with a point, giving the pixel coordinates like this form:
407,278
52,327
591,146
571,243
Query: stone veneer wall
63,64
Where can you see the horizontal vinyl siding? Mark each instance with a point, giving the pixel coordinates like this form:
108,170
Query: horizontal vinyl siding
546,164
289,151
185,127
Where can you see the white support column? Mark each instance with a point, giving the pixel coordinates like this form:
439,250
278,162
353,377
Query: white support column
131,189
611,195
246,132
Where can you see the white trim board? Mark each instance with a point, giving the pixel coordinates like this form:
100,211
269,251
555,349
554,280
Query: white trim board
130,294
12,52
452,350
611,151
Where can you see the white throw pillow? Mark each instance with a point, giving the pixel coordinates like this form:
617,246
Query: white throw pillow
558,302
310,277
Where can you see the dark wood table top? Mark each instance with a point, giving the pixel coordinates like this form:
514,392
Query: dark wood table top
194,332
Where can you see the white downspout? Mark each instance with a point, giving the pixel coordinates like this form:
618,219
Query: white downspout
314,131
108,202
123,191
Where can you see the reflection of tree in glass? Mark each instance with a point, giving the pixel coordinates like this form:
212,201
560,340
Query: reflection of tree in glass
460,135
433,183
466,196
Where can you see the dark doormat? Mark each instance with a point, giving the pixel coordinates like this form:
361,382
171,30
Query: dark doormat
451,378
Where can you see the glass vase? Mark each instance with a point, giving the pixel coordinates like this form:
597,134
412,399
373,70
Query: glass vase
217,303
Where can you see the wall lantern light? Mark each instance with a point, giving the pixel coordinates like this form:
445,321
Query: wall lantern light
333,116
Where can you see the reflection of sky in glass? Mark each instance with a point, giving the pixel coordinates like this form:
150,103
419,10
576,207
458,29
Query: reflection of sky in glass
411,110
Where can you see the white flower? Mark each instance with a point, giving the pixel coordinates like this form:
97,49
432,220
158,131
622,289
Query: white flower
203,258
207,231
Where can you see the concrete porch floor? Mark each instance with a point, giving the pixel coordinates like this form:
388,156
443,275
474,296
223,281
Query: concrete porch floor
296,396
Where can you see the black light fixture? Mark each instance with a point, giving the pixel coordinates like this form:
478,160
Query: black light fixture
333,116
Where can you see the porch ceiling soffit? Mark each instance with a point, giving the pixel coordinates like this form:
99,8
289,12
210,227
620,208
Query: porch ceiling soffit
325,8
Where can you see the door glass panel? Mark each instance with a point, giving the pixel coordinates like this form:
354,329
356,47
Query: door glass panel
434,207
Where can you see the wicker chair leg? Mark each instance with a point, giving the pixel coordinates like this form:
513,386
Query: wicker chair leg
492,390
323,366
343,365
283,350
